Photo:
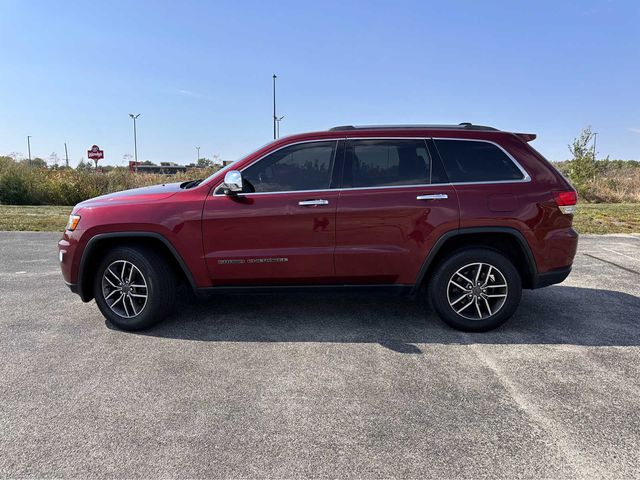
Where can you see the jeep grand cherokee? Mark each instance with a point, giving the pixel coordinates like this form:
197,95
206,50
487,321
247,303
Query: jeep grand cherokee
469,213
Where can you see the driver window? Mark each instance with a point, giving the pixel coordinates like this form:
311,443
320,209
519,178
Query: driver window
306,166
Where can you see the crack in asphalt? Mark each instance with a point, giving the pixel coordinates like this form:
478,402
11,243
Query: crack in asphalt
630,270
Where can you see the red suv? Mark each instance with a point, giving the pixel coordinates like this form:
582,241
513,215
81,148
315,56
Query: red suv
471,213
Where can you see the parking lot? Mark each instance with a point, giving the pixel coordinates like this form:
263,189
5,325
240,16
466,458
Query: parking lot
321,385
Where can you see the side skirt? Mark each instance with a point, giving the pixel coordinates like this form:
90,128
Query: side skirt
399,290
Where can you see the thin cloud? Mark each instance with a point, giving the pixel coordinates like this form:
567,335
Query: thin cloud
634,130
192,94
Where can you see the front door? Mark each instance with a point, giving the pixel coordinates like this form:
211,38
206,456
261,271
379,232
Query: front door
395,203
281,229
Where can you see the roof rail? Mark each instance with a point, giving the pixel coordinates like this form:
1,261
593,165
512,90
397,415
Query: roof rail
460,126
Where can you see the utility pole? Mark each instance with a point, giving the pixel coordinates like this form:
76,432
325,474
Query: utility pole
197,159
66,154
275,119
595,136
29,147
135,142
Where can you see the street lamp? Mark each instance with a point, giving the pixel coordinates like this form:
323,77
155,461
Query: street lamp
135,141
197,159
278,119
29,147
275,119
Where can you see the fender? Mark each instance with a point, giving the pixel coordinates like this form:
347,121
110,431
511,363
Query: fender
101,236
530,260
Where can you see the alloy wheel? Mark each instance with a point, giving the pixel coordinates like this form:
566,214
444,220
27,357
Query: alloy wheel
477,291
124,289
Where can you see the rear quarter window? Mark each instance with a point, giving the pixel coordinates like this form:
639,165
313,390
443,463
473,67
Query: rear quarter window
476,161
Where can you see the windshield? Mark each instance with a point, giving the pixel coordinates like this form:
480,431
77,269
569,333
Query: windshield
227,167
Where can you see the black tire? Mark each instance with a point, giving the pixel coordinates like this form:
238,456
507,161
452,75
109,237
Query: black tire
474,302
159,286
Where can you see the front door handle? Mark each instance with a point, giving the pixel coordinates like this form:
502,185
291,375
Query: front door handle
311,203
436,196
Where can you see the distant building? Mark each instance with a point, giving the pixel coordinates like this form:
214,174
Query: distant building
168,168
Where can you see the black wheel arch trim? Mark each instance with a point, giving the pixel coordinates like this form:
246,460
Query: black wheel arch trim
86,296
428,261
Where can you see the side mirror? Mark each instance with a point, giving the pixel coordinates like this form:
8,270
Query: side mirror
232,182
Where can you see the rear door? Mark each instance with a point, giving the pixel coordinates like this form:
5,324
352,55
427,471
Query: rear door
395,203
281,229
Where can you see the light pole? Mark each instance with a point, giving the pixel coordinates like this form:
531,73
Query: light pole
197,159
595,136
66,154
275,119
135,142
29,147
278,119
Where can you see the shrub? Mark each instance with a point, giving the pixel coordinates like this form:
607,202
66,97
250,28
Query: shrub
13,187
21,184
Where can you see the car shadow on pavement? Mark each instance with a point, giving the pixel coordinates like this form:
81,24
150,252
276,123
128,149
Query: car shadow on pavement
555,315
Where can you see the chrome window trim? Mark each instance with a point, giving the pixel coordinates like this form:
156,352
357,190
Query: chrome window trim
287,191
526,177
345,189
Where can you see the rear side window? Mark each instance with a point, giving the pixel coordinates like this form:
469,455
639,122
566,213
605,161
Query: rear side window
383,163
475,161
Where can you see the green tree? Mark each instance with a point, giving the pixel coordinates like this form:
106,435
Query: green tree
84,166
204,163
583,167
35,163
6,162
54,160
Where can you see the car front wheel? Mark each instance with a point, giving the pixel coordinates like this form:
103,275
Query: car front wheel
475,289
134,287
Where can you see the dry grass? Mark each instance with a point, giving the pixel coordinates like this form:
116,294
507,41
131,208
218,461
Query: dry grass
22,185
613,181
617,186
34,218
589,218
607,218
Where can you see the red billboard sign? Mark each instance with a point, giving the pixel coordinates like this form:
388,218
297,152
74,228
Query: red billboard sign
94,153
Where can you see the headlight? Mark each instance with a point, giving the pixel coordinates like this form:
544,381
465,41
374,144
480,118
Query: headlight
73,222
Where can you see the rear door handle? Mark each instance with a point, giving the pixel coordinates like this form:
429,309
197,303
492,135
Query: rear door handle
436,196
311,203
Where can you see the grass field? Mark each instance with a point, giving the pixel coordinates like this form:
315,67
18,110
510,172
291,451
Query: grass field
607,218
34,218
590,218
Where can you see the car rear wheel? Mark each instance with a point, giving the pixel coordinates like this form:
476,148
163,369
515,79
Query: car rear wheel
134,287
475,289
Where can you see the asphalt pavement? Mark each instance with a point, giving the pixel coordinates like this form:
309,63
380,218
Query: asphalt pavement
344,385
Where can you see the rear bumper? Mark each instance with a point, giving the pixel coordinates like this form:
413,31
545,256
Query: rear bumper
551,278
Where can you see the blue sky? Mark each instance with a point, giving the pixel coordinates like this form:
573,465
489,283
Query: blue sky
200,72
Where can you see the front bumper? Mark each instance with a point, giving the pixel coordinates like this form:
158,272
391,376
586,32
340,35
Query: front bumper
68,252
73,287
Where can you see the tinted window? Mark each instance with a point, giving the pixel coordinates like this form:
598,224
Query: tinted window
306,166
379,163
469,161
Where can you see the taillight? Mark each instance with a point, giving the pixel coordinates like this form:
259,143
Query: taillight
566,200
